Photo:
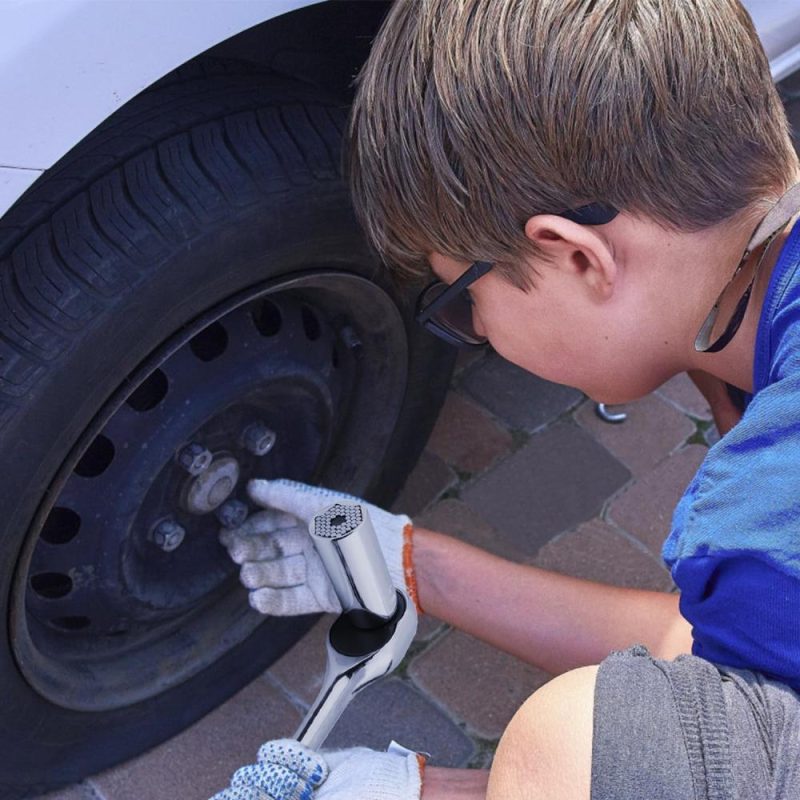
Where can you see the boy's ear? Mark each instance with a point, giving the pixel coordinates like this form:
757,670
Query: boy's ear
575,248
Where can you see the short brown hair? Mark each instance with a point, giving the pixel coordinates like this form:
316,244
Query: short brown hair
473,115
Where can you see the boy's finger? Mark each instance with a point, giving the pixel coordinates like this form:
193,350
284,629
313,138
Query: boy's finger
260,523
299,499
241,549
262,781
307,763
265,547
281,574
283,602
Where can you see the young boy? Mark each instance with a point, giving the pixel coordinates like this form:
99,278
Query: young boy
604,186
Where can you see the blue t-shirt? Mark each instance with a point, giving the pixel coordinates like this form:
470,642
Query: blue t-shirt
734,548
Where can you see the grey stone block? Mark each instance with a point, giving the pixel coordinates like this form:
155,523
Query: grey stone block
652,431
429,479
301,669
457,519
392,709
598,552
680,392
200,761
645,509
481,685
561,478
466,437
519,398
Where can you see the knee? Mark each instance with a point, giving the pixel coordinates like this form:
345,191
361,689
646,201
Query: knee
546,750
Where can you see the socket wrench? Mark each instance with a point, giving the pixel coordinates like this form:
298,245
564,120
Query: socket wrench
377,624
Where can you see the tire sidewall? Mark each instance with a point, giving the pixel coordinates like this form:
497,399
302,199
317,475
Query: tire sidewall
309,227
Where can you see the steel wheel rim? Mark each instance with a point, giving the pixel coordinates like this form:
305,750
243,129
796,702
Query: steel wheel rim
374,326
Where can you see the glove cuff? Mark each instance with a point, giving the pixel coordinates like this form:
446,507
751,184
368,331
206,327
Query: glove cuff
415,764
409,573
393,775
396,539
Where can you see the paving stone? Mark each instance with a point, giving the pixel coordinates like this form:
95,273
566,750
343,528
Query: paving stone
597,552
519,398
200,761
457,519
645,509
560,478
466,437
652,431
481,685
685,396
427,627
556,482
300,670
427,481
393,709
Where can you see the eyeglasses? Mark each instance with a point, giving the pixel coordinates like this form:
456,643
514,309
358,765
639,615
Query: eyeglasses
446,311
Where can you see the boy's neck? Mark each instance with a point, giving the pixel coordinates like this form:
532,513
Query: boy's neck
734,363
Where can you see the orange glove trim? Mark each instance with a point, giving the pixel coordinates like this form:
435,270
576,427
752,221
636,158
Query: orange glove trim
408,566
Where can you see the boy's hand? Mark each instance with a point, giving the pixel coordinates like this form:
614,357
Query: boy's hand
280,566
287,770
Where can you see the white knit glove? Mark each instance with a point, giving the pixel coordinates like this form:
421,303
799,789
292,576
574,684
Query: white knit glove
280,566
363,774
287,770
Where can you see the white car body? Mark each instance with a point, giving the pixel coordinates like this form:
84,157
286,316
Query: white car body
66,65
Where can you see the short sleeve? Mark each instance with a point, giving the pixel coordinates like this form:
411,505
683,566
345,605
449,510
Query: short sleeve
734,547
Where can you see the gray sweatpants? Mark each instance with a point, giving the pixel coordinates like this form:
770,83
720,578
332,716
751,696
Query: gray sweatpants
688,729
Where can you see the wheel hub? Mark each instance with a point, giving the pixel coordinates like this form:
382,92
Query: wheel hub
109,577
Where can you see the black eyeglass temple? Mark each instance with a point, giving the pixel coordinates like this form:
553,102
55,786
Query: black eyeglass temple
476,270
592,214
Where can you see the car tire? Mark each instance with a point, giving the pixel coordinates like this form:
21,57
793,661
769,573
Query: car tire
212,201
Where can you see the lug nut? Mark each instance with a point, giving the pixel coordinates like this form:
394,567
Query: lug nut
232,513
168,535
195,458
213,487
258,438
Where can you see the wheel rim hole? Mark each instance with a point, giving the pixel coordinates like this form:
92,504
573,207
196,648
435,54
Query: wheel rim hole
210,343
97,458
72,623
51,585
311,324
150,393
61,526
267,318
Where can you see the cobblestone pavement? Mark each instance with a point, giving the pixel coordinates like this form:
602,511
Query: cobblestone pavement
518,466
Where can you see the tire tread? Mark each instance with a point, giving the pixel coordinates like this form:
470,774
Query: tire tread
156,174
106,218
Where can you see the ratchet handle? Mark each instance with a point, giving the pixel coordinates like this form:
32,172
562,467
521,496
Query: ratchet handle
356,658
334,697
378,622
